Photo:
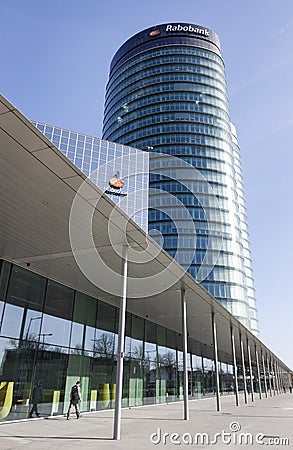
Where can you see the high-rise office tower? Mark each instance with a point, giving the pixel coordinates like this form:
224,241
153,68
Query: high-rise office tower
167,94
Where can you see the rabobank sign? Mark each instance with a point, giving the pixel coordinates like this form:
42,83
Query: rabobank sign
188,28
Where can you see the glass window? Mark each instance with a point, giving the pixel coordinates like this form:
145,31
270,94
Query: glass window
128,334
106,317
55,331
161,339
77,332
4,275
106,335
26,289
31,325
1,313
137,335
12,320
58,309
84,318
150,351
16,373
59,300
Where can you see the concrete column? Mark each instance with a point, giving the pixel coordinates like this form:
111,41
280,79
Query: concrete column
276,377
203,377
235,367
258,373
269,375
185,370
280,378
120,353
243,370
250,371
214,331
273,375
264,374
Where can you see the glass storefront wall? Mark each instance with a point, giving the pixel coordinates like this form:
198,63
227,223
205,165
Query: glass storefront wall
52,336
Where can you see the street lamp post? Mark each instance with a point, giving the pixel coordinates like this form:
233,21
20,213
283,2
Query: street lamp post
43,335
29,325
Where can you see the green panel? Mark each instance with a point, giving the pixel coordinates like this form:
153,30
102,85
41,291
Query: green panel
139,390
160,391
135,391
158,396
79,368
198,389
132,392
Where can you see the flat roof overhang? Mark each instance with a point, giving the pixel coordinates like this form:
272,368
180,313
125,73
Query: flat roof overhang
38,187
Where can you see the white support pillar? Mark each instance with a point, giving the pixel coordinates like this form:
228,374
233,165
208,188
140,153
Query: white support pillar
264,375
250,371
273,375
280,378
120,352
269,375
185,369
214,331
243,370
258,373
276,378
235,367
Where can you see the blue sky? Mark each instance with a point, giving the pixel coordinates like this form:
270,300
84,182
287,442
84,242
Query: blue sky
55,60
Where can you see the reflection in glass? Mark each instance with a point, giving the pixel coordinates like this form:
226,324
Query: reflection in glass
1,313
12,321
59,300
32,325
76,340
4,277
26,289
16,362
55,331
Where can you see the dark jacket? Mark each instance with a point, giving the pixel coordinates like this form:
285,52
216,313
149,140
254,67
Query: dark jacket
37,396
75,395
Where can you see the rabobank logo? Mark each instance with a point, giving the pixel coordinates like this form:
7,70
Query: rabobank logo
189,29
154,33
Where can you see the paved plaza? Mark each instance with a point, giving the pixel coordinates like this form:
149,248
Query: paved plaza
266,422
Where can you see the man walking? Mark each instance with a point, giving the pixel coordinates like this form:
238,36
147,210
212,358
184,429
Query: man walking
37,397
75,397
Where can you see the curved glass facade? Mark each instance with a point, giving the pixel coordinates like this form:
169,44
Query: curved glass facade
167,94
